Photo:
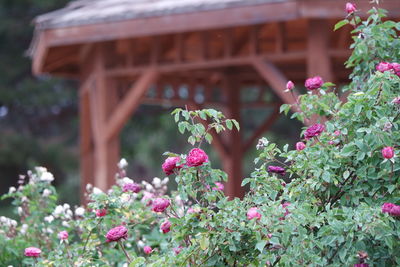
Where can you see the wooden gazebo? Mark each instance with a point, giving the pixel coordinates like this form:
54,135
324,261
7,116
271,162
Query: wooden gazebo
198,53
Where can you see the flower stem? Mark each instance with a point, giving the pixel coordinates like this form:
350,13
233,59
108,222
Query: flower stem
126,253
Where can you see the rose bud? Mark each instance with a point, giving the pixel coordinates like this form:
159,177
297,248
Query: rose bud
253,213
101,212
63,235
314,83
147,249
165,226
350,8
388,152
300,146
276,169
289,85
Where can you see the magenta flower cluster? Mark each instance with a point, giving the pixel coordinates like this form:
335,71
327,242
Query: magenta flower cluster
386,66
131,187
32,252
314,130
169,165
391,209
195,158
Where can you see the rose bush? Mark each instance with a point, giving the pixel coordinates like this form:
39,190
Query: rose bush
338,206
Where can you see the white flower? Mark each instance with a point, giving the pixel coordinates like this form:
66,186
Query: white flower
13,223
66,206
58,210
49,230
165,181
24,199
47,177
40,169
122,164
12,190
97,191
126,180
79,211
125,197
3,219
149,187
46,192
89,187
20,211
49,218
125,265
140,243
156,181
65,224
68,214
24,228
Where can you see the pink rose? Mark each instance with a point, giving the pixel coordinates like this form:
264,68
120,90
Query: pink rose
147,249
314,130
337,132
219,186
314,83
350,8
388,152
63,235
289,85
276,169
117,233
196,157
383,66
101,212
131,187
32,252
165,226
300,146
169,165
160,204
253,213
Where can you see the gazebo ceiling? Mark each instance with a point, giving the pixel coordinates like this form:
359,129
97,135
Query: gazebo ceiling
63,34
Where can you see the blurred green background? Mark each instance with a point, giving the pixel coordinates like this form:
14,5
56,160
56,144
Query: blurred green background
39,117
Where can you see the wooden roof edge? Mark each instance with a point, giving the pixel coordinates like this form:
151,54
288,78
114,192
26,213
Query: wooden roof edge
213,19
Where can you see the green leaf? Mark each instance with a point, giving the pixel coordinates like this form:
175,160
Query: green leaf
137,262
181,127
236,124
204,242
340,24
229,124
261,244
209,138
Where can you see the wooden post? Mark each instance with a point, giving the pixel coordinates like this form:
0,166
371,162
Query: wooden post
318,59
233,163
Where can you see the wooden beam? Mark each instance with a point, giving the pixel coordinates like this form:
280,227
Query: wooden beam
318,58
262,128
273,76
130,103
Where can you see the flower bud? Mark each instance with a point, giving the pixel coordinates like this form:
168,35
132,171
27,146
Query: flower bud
388,152
63,235
101,212
300,146
350,8
289,85
165,226
147,249
253,213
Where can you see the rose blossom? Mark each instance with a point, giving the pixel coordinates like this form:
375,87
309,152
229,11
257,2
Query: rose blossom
196,157
396,68
388,152
160,204
337,132
361,265
383,66
300,146
63,235
147,249
350,8
219,186
117,233
32,252
101,212
289,85
314,83
276,169
147,198
165,226
131,187
170,164
253,213
391,209
314,130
